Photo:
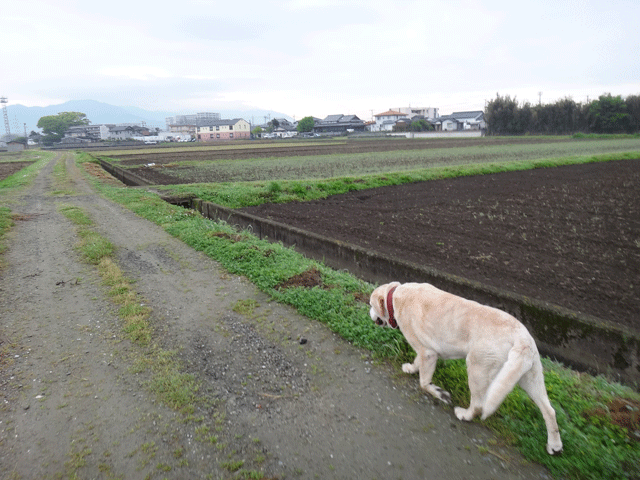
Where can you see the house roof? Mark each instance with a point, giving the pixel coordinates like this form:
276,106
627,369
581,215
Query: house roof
214,123
463,115
332,118
389,113
341,119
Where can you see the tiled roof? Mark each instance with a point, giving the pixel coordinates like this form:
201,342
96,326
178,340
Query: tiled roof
389,113
474,114
213,123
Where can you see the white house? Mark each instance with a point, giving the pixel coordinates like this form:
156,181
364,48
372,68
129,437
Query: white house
461,121
426,112
385,121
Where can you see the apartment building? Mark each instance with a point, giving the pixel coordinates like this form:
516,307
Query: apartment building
201,118
223,130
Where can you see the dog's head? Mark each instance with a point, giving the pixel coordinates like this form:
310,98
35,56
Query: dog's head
378,301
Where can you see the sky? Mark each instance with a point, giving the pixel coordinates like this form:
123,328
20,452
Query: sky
317,57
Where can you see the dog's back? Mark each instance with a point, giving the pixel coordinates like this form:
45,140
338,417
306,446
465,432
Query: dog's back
453,326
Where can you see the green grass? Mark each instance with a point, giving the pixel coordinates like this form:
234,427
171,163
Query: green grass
6,223
594,446
12,184
93,246
26,175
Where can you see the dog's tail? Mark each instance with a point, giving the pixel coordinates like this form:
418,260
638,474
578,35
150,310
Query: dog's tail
519,361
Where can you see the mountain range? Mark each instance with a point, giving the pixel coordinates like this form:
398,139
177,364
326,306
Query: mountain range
99,112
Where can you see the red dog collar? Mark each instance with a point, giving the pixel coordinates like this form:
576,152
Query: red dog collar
392,320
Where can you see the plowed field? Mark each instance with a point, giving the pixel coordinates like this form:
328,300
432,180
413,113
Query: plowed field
568,235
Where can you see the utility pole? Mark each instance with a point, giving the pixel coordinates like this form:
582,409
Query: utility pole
4,101
539,98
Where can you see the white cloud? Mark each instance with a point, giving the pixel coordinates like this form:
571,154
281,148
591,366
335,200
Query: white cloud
135,72
318,56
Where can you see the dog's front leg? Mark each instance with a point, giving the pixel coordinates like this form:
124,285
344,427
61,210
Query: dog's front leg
425,363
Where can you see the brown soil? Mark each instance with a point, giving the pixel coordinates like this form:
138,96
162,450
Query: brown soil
9,168
569,236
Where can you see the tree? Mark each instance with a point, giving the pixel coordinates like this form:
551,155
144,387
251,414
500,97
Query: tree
257,131
306,125
609,114
54,126
35,136
501,116
633,107
420,126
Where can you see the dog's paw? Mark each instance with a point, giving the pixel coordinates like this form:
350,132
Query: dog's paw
464,414
554,450
439,393
409,368
461,413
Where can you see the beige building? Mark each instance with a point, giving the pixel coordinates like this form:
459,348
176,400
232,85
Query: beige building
223,130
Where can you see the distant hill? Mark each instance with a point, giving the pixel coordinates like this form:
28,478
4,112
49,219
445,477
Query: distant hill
98,112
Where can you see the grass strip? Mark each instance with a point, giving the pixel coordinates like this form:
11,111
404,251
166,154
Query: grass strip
174,388
595,448
26,175
6,222
11,184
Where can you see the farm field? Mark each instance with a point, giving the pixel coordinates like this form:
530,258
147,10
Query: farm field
565,235
315,160
9,168
568,235
211,320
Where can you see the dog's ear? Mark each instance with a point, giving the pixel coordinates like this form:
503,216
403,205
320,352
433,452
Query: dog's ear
381,305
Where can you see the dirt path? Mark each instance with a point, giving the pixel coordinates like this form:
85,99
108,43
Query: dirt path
73,406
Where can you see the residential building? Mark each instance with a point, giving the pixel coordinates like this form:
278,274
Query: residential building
183,129
201,118
217,130
89,132
123,132
339,125
15,146
426,112
461,121
385,121
204,117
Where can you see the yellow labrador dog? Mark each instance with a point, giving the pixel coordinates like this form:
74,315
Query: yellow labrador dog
498,349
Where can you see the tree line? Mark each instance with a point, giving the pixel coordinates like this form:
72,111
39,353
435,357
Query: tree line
607,114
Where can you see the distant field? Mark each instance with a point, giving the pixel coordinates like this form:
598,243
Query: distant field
320,161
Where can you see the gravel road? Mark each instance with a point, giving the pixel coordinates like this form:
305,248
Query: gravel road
73,403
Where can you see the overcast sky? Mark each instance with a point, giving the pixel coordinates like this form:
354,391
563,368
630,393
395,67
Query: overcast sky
317,57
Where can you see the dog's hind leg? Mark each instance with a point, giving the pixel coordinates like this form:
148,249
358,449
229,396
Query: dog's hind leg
532,382
518,362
